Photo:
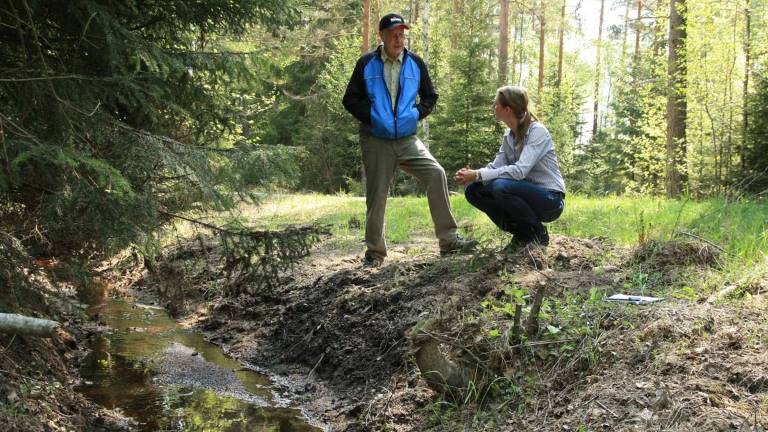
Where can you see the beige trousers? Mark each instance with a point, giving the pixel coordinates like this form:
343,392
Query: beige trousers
381,157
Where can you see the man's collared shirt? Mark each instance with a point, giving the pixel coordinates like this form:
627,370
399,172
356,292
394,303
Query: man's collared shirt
392,74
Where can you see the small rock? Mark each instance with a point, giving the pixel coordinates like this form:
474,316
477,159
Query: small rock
645,415
35,393
595,413
12,397
662,400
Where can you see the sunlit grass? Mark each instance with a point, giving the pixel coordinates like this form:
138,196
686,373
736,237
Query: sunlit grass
738,227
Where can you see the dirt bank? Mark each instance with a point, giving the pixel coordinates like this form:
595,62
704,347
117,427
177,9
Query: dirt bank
39,375
339,334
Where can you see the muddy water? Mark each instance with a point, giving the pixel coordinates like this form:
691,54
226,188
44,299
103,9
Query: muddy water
171,379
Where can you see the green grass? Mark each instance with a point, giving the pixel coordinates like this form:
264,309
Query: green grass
738,227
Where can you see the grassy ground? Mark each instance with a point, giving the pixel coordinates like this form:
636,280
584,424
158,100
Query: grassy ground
740,228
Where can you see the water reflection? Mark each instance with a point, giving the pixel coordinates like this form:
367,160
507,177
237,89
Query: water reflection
119,374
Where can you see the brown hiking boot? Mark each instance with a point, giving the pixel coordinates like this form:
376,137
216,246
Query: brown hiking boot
372,261
458,246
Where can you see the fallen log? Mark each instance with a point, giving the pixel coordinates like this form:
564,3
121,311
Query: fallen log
27,326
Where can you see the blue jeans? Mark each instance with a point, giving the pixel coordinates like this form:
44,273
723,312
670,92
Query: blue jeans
517,206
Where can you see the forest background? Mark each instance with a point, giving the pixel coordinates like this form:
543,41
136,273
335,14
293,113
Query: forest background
120,118
116,117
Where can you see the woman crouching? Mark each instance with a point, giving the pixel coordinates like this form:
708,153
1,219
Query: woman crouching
522,187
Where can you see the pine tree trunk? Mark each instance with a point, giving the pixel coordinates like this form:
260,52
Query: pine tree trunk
503,42
638,27
598,72
366,30
659,34
542,29
520,48
455,29
375,21
625,33
676,103
561,44
747,71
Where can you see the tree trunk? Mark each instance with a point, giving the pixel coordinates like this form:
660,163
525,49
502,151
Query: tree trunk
504,42
659,35
376,16
26,326
561,37
625,33
366,30
676,103
747,71
455,29
375,21
520,49
598,72
638,27
542,29
425,56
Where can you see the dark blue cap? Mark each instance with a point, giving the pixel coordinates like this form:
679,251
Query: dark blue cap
390,21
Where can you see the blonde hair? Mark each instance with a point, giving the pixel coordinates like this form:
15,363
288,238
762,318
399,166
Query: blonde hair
516,98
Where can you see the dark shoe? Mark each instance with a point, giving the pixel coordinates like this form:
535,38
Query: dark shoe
542,239
372,261
515,245
458,246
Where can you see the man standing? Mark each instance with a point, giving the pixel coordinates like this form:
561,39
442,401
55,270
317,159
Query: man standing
381,94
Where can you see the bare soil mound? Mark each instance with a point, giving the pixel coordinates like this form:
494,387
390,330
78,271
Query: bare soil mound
340,334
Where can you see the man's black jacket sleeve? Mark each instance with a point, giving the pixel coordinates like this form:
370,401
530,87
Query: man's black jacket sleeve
427,94
356,97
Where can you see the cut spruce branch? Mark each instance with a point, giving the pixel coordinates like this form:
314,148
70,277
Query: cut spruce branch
252,259
27,326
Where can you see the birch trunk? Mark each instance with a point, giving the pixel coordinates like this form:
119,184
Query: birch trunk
27,326
598,72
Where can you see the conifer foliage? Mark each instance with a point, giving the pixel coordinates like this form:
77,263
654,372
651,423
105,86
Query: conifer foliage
113,116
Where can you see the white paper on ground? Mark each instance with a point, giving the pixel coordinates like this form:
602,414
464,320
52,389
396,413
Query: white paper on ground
623,298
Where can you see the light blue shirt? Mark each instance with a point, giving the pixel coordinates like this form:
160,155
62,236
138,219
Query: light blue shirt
536,163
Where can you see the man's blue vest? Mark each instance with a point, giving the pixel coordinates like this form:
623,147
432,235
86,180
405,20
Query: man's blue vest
385,124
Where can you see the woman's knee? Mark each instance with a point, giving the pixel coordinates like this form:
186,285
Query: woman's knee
503,189
551,215
472,192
